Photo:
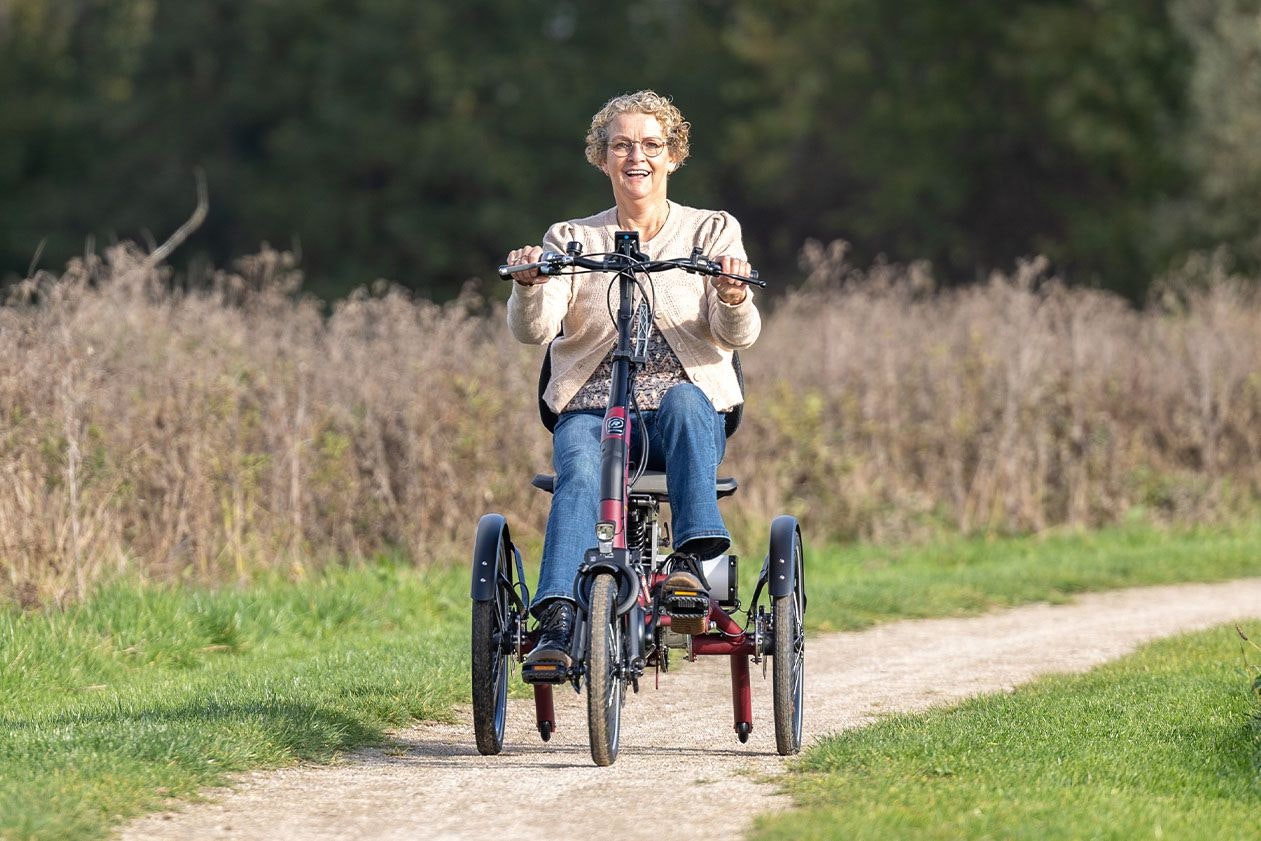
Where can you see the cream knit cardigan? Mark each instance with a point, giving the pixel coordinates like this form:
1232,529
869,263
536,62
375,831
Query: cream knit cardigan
699,327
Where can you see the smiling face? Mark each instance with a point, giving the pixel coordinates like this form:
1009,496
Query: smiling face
637,178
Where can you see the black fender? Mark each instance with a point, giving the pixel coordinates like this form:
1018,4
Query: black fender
782,573
492,530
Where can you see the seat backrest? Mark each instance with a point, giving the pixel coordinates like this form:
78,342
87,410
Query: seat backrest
733,416
730,418
545,376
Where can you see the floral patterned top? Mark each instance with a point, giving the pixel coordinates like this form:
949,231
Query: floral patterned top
659,373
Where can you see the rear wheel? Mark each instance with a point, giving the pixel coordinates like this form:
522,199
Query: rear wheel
605,688
788,660
492,659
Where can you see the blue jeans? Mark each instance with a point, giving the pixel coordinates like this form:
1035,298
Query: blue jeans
686,438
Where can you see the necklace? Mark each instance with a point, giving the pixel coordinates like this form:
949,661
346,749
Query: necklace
647,233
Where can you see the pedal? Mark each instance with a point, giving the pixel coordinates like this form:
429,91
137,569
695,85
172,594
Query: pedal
688,610
551,673
686,603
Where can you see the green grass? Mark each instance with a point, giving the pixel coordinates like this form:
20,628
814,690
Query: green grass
857,586
146,693
1165,743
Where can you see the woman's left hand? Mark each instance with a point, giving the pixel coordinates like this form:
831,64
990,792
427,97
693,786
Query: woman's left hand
731,291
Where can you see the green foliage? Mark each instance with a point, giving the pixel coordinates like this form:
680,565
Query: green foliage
389,139
1221,142
418,141
970,137
1157,745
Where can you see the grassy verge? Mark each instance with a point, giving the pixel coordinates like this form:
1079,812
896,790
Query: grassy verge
1165,743
146,693
853,587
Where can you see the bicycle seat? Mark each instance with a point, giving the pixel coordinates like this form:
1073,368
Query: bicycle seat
652,483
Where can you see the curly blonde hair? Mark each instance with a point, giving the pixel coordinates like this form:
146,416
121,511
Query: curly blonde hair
653,104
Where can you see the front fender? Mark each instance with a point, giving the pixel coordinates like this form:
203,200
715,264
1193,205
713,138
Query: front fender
619,565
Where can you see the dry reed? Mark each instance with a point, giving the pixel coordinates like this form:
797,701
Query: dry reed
209,433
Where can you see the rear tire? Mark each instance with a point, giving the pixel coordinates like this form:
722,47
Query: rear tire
788,660
605,688
492,660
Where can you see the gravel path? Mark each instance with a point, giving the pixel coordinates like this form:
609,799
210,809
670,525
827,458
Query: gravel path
680,757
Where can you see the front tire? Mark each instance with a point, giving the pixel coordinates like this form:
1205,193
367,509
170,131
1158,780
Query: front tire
605,688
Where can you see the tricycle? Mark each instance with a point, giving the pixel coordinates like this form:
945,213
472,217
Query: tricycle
624,619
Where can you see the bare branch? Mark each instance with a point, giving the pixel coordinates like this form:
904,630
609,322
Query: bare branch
183,231
39,252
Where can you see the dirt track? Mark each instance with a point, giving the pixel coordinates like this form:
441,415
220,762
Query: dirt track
680,757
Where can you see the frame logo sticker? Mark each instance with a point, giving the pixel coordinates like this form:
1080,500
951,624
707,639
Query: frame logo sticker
615,426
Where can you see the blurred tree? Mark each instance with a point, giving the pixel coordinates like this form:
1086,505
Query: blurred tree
413,141
63,68
1223,141
964,133
419,140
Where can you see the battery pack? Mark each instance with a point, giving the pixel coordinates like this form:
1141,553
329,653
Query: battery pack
720,572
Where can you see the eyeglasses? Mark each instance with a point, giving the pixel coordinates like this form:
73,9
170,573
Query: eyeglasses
622,148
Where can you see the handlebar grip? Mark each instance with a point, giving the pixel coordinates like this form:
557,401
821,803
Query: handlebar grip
750,278
549,265
506,271
714,267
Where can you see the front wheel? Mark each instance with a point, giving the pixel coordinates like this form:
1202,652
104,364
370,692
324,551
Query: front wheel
788,660
605,688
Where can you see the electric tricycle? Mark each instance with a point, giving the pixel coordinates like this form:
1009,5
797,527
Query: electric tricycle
623,626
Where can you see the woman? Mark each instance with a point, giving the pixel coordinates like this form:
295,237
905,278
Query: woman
637,141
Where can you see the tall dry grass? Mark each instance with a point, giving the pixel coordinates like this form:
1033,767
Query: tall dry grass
885,408
207,433
211,432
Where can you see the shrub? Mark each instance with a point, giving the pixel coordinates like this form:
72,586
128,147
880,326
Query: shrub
209,432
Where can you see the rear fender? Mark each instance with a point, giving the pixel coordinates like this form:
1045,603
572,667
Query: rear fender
492,531
782,573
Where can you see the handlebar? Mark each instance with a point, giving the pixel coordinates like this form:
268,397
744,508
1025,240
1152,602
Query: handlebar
553,262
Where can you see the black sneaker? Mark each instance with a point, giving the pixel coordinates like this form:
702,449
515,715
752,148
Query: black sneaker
549,661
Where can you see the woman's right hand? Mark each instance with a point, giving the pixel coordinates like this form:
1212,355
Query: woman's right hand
527,254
